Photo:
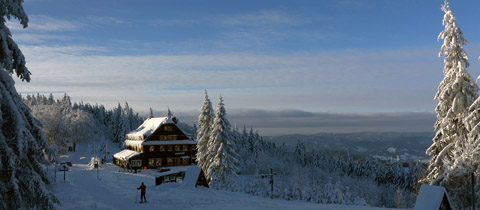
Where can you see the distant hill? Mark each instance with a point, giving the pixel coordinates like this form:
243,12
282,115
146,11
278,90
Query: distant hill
408,146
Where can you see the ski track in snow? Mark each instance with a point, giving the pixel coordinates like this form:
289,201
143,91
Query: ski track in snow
118,190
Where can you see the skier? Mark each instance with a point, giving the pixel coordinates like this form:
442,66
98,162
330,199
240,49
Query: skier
142,194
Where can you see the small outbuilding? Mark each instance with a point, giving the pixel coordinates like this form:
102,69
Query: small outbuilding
432,198
191,176
128,159
194,177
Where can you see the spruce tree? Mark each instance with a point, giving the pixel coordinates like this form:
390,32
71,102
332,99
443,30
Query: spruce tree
205,120
301,154
465,162
151,113
455,94
24,151
223,158
116,124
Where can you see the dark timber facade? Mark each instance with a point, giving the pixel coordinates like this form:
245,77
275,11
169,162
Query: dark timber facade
158,142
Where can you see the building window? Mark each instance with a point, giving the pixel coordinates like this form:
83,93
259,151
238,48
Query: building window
177,148
185,161
170,161
170,147
152,149
168,128
162,148
178,161
136,163
151,162
168,138
194,147
158,161
185,147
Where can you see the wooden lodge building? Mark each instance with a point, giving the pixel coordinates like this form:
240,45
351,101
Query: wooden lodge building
158,142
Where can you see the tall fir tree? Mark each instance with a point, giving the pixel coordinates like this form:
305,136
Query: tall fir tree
150,115
465,162
237,137
205,121
23,149
458,173
223,158
455,94
301,154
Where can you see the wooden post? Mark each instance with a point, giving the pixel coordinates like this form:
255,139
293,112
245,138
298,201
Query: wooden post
271,183
473,190
271,180
106,149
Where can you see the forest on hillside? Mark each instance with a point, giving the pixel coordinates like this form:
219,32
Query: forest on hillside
312,175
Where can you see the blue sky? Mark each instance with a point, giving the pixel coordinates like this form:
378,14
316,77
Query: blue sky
342,56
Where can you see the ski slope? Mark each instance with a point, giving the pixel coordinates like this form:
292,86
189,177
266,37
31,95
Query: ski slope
118,190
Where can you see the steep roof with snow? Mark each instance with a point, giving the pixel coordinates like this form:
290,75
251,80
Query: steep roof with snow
191,177
125,154
431,198
148,127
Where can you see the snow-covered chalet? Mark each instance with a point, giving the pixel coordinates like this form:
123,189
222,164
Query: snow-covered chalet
158,142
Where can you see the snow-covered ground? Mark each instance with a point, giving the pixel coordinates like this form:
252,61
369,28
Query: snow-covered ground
118,190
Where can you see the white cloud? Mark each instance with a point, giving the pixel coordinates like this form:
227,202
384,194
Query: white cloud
33,38
264,17
258,29
46,24
352,81
105,20
43,23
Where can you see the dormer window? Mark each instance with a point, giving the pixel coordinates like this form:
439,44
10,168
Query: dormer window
168,128
152,149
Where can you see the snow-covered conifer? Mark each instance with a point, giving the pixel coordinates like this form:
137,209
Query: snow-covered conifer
151,113
115,124
205,121
23,148
129,117
301,154
237,139
50,99
455,94
66,104
222,155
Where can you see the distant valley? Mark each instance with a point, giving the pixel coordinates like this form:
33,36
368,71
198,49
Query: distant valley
383,145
